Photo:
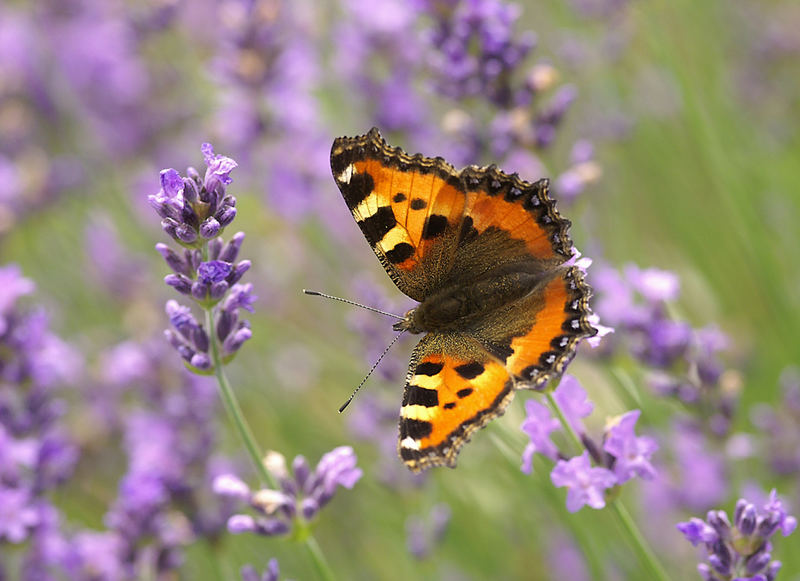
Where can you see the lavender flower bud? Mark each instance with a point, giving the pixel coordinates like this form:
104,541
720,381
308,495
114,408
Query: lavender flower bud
234,341
238,271
190,192
756,562
209,228
179,282
199,290
231,249
747,520
226,321
302,471
721,558
200,339
719,520
772,570
218,290
241,523
175,262
226,216
169,225
741,504
272,527
309,508
215,247
184,233
232,486
200,361
194,258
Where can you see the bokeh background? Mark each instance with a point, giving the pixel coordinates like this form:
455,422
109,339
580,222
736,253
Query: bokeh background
670,131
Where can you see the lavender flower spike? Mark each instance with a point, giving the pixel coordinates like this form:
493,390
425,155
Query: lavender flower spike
740,550
194,212
301,495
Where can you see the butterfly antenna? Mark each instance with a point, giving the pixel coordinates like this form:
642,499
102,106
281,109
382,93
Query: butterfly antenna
363,381
355,304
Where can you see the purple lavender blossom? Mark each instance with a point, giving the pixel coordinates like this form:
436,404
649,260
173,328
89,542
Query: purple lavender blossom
538,424
573,401
164,499
17,514
194,213
272,573
631,453
586,485
192,209
742,549
477,51
302,495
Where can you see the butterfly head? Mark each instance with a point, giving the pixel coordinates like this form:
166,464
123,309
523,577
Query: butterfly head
409,323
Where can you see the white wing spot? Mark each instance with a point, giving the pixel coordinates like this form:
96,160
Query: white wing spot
409,444
347,174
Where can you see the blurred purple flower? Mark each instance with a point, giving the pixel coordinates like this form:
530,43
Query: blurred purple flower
586,485
272,573
703,479
573,401
424,534
538,425
477,50
302,495
17,515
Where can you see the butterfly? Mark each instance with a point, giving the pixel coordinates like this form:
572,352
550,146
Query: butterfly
488,258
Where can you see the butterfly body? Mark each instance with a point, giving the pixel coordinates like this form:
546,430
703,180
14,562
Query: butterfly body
486,256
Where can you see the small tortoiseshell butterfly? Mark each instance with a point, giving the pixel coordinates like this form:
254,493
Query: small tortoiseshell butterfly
484,254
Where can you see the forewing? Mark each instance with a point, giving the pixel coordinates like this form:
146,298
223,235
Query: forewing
410,208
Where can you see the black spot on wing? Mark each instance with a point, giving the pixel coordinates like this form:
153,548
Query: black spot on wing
468,231
435,225
450,405
399,197
470,370
462,393
409,454
428,368
376,226
415,429
418,204
400,253
416,395
356,191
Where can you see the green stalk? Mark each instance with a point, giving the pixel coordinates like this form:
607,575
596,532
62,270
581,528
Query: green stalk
635,537
318,558
233,408
646,554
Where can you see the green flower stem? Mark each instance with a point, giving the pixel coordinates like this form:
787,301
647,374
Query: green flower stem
638,541
635,537
318,558
233,409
